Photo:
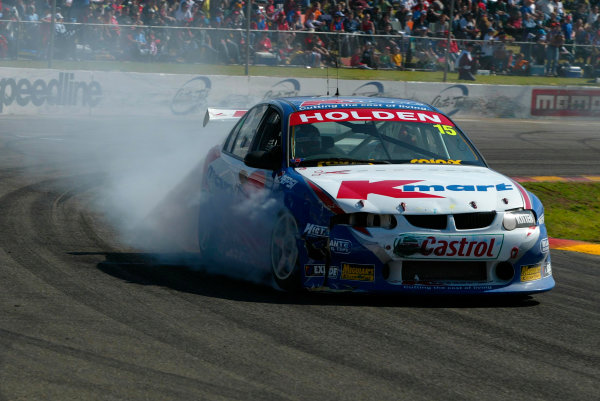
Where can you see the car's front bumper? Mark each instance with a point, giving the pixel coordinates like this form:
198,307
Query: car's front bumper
522,266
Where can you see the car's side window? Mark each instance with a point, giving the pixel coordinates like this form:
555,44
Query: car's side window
269,135
247,131
233,134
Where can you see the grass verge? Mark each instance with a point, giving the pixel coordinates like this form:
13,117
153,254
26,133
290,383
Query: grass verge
341,73
572,209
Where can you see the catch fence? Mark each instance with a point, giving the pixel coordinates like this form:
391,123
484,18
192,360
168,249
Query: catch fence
28,40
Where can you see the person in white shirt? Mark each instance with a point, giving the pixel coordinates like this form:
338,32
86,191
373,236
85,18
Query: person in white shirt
545,6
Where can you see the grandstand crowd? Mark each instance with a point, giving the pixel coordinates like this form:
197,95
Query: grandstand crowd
496,36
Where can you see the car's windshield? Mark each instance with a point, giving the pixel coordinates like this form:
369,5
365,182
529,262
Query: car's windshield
320,138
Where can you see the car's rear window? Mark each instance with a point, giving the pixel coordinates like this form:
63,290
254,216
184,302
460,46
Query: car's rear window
319,137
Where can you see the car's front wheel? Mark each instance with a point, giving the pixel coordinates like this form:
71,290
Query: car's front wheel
284,252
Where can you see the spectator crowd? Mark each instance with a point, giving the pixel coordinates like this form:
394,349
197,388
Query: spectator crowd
499,36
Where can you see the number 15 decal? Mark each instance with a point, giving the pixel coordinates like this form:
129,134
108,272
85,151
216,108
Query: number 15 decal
445,129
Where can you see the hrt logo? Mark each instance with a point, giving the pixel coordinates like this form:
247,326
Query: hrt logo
313,230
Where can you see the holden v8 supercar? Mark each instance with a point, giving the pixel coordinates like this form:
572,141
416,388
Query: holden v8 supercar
369,194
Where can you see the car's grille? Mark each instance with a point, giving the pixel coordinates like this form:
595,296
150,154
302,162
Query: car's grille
433,221
468,221
443,271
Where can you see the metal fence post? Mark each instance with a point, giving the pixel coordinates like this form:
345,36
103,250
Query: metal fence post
52,29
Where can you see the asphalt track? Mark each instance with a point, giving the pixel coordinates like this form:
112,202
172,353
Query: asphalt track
86,316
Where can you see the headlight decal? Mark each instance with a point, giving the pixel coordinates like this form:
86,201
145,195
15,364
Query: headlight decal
325,199
524,195
518,219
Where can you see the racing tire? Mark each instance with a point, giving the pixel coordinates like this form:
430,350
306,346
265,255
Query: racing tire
285,253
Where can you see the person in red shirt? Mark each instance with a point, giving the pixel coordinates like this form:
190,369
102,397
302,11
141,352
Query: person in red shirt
281,22
367,25
270,9
264,43
356,62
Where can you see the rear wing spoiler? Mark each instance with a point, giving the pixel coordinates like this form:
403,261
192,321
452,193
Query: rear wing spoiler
222,115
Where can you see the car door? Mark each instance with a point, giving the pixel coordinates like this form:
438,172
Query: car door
246,188
260,130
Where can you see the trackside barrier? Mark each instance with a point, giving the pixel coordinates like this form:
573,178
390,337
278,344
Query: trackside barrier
46,91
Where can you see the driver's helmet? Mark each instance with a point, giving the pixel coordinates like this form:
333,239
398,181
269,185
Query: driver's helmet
307,140
405,134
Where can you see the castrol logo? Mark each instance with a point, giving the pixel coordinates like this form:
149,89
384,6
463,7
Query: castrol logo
480,247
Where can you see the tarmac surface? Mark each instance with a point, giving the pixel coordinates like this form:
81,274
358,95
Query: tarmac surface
86,315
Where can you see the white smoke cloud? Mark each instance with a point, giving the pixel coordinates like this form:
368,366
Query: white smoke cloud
144,175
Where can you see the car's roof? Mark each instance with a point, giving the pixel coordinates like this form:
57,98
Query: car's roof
331,102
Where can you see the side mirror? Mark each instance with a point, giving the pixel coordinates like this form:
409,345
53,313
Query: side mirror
263,160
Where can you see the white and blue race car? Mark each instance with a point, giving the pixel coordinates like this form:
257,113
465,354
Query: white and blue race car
368,194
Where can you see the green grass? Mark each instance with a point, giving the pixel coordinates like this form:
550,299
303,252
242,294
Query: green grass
343,73
572,209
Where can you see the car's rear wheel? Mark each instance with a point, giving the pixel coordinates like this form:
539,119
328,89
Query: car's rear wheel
284,252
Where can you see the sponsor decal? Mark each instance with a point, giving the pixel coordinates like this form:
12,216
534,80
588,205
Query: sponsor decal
531,272
361,189
451,99
256,180
228,113
313,230
191,96
524,219
370,89
323,172
340,246
547,268
64,91
317,102
435,161
485,246
541,220
355,272
456,98
428,286
544,245
338,163
319,271
288,182
285,88
366,114
565,102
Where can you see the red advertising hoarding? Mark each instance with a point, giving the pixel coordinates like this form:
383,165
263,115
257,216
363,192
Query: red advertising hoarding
565,102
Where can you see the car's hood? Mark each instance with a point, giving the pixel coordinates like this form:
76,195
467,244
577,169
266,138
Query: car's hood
416,189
